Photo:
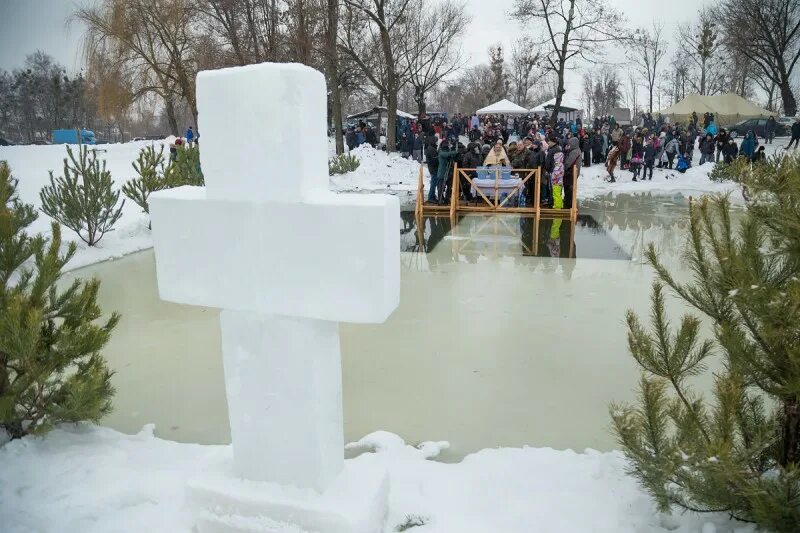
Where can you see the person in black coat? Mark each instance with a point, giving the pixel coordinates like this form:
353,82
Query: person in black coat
432,159
597,147
769,129
759,156
475,134
371,137
350,138
795,134
536,159
730,151
721,140
649,158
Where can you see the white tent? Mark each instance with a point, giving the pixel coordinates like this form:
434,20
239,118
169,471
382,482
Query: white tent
503,107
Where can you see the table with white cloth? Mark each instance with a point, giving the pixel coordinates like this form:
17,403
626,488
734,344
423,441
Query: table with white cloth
490,182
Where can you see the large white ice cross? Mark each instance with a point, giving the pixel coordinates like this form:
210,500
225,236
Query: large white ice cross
283,257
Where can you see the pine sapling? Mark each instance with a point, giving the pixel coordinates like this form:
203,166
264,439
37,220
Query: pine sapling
739,451
51,369
184,169
84,198
150,168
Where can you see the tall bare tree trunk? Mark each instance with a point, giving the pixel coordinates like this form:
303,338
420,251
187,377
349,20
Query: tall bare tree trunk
562,60
333,73
391,83
169,108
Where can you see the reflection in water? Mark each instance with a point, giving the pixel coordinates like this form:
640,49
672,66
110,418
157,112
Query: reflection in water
475,236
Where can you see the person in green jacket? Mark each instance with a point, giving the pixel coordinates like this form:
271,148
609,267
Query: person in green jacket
447,156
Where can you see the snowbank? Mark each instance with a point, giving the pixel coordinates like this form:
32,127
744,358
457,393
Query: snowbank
95,480
31,164
381,172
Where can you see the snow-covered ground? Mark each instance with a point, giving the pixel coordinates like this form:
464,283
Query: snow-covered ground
378,172
95,480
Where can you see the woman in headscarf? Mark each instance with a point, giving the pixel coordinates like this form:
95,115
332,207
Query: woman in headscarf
497,156
572,164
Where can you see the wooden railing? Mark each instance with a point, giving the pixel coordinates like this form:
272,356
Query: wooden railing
496,205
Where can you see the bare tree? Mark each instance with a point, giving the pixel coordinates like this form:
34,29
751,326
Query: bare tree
768,33
152,43
384,16
606,94
525,59
588,92
646,52
250,28
434,52
632,94
702,46
573,29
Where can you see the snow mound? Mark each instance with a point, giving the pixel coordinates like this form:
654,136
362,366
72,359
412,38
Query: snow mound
380,172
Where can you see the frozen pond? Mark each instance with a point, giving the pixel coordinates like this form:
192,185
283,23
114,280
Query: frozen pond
499,340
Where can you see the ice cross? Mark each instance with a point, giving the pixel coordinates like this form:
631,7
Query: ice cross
284,258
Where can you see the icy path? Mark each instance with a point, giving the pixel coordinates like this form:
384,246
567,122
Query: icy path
95,480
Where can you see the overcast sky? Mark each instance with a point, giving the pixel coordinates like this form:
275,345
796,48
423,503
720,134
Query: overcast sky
28,25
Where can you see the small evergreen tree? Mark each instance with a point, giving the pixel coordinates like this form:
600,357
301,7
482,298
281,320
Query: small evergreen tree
740,452
150,168
342,164
51,370
84,199
185,168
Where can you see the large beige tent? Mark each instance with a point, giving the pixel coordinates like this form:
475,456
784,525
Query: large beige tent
727,108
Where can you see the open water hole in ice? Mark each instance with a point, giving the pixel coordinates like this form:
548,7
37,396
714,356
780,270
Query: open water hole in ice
499,340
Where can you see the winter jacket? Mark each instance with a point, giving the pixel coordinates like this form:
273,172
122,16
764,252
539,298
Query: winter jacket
682,165
574,154
770,127
536,158
796,130
749,145
730,151
371,137
549,161
405,144
447,156
650,154
472,159
432,155
672,146
557,175
707,146
721,139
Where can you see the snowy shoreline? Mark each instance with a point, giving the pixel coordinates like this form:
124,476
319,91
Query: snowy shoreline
96,480
379,172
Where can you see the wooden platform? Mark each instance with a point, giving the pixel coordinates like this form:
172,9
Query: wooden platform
483,204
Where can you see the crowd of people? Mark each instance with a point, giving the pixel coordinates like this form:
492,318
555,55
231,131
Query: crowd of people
529,142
